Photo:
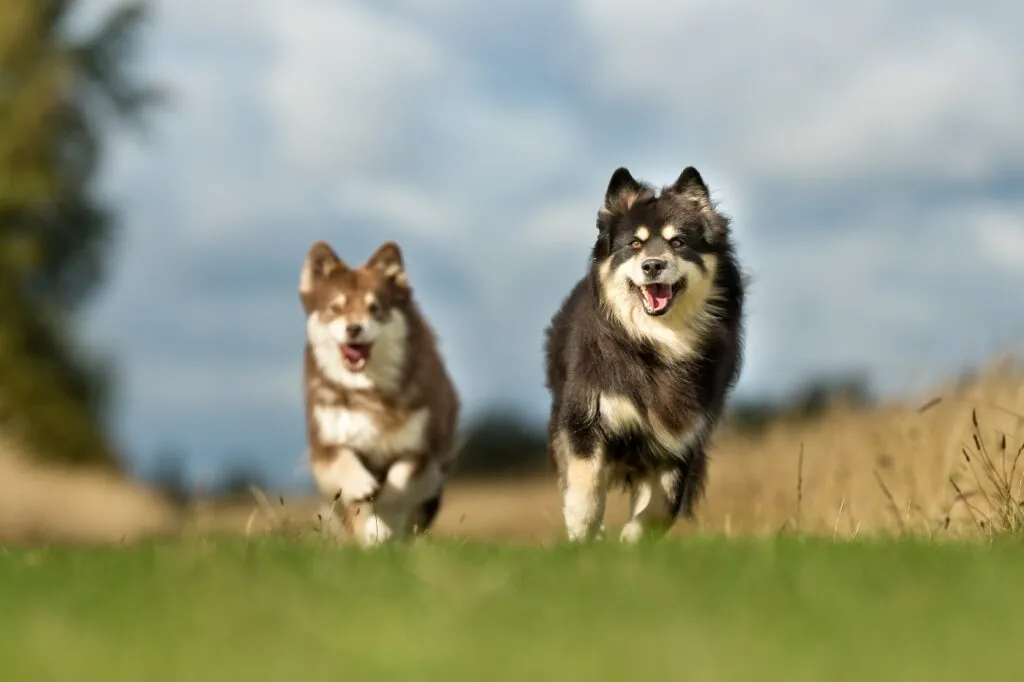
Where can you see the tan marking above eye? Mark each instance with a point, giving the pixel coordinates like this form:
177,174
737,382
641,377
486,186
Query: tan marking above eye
669,232
337,306
642,233
372,302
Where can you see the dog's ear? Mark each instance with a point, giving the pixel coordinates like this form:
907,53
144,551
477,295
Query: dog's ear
602,245
690,187
623,191
320,262
690,183
388,259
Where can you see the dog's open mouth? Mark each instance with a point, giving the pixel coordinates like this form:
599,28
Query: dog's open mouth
657,298
355,356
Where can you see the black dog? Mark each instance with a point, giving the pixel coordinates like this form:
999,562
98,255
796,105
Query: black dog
643,354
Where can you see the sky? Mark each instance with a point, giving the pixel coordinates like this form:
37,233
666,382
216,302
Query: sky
870,155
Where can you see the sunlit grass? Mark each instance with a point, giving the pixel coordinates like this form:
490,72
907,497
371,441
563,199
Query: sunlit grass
705,608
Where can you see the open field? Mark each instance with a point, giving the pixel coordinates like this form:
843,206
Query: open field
704,608
955,468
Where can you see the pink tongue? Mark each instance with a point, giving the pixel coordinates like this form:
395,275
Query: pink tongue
355,352
657,296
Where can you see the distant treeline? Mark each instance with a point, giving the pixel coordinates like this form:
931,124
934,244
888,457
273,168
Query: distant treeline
62,93
502,443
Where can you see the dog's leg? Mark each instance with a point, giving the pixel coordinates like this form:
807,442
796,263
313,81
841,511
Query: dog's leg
654,504
373,525
584,481
345,474
409,486
411,482
414,487
422,518
693,475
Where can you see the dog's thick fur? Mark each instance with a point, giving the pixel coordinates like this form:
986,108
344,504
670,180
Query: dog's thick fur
381,409
642,355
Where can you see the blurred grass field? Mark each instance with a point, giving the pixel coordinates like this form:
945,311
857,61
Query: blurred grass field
703,608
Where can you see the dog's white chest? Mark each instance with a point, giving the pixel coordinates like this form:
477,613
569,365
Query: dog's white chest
356,429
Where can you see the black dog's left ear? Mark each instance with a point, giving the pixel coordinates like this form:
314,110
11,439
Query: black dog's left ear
388,258
690,182
690,186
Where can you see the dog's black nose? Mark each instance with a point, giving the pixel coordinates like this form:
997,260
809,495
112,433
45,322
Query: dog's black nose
652,267
353,329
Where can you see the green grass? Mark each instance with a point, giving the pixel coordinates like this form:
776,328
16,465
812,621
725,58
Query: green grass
703,609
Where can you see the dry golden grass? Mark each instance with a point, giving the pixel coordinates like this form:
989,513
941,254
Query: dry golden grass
52,504
948,465
951,470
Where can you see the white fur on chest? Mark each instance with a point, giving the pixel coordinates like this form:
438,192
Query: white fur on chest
620,414
358,430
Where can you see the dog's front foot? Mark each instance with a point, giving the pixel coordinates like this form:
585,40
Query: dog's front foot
583,518
583,497
360,487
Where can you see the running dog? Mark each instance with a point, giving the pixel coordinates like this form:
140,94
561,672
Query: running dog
642,355
381,410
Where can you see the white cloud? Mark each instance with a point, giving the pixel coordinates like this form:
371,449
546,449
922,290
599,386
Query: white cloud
402,204
569,224
1000,235
173,389
945,106
819,92
344,80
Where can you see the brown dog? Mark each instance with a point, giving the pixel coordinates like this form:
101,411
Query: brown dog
381,409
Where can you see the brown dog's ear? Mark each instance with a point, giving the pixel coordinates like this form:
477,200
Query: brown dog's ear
388,259
320,262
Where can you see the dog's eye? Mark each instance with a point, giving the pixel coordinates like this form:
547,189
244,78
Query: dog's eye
676,243
373,308
336,309
635,244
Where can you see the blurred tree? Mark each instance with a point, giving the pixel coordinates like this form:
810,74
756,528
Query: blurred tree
500,443
56,91
169,477
237,480
809,401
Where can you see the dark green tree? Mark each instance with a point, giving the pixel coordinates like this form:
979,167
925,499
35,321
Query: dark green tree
58,94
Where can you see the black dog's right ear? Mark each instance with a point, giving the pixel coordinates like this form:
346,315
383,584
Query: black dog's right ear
691,184
623,191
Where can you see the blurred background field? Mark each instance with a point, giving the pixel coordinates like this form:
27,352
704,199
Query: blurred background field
827,463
